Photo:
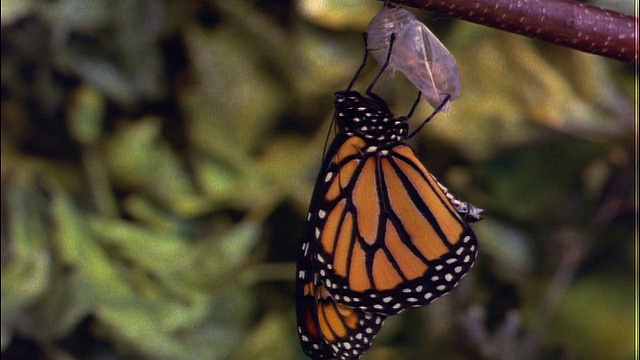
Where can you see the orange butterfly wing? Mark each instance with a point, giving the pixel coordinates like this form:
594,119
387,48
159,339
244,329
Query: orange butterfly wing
389,238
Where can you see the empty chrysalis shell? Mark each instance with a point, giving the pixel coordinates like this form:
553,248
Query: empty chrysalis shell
417,54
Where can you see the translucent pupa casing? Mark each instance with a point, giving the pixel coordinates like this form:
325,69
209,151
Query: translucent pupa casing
417,54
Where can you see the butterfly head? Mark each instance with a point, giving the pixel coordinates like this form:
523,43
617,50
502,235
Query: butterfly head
369,118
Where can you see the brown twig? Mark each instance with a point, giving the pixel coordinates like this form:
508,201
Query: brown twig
564,22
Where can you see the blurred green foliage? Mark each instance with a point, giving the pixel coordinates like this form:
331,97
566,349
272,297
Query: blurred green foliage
158,158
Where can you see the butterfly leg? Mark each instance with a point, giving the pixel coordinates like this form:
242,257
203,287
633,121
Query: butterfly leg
364,63
414,106
437,110
384,66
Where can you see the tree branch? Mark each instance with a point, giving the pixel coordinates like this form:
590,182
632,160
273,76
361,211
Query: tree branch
564,22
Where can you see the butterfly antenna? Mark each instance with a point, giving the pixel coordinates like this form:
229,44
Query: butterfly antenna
326,140
437,110
364,62
384,66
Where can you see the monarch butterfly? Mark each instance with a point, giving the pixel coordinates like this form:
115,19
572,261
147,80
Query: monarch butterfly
417,54
382,234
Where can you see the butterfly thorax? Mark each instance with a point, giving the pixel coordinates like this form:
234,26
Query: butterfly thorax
369,118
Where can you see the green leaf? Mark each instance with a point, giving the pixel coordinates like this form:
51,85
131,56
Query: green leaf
26,274
598,313
139,159
87,116
236,101
78,248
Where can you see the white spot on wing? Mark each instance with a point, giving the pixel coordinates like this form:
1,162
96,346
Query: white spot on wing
328,177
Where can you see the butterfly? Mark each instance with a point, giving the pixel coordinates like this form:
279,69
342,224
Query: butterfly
382,234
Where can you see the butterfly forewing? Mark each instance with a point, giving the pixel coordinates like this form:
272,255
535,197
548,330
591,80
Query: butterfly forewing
389,238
